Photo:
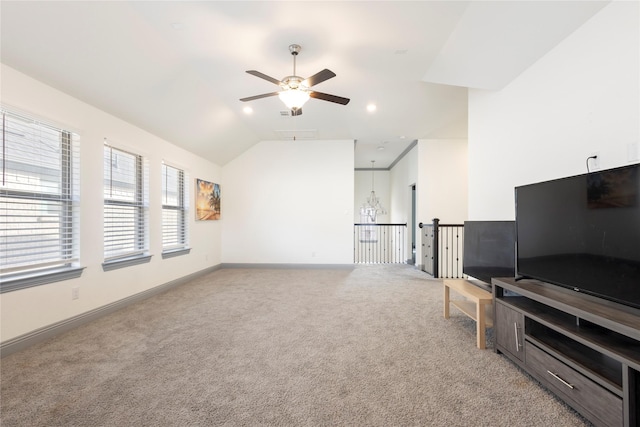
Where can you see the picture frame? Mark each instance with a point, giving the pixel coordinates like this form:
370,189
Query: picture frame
208,200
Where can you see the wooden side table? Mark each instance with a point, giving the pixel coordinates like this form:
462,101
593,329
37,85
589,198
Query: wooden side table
477,306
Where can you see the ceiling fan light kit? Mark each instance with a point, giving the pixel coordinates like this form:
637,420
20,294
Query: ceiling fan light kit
296,90
294,98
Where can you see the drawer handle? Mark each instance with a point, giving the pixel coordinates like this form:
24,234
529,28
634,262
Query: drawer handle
560,379
515,326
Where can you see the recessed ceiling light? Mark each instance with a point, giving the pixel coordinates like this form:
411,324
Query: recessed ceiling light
247,110
380,148
371,108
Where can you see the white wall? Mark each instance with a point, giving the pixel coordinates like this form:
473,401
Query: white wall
581,98
25,310
403,175
439,170
363,191
289,202
443,180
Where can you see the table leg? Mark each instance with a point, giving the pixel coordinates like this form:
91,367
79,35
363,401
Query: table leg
480,325
446,302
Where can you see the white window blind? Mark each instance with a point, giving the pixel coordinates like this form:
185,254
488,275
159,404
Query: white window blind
39,196
125,204
175,202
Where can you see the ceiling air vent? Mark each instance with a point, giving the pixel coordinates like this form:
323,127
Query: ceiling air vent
297,134
285,113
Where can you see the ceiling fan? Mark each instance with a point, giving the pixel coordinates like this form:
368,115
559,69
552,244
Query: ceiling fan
296,90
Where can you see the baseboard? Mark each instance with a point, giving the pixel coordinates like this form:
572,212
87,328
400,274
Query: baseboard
39,335
290,266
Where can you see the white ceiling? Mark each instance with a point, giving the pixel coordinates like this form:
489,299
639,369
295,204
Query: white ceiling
177,68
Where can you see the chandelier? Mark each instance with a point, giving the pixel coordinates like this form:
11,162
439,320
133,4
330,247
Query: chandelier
372,207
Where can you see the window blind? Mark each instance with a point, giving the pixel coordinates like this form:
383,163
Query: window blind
39,195
175,202
125,204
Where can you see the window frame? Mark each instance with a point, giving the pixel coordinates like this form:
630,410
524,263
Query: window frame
24,275
140,254
182,209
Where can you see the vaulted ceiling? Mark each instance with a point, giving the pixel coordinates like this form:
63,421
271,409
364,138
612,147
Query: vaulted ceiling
177,68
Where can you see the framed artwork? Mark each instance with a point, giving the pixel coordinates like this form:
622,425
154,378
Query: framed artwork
207,200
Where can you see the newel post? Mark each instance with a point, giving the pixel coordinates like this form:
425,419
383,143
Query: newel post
436,249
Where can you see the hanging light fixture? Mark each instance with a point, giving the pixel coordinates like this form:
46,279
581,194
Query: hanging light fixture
295,90
295,93
294,98
372,207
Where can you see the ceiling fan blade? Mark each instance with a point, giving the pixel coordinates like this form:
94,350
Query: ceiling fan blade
319,78
264,95
264,76
330,98
296,111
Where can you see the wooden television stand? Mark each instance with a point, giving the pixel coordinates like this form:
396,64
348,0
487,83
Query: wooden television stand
584,349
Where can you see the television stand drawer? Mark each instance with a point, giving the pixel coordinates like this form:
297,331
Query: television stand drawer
578,390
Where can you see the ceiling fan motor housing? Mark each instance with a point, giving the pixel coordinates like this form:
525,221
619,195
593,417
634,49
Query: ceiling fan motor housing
295,49
293,82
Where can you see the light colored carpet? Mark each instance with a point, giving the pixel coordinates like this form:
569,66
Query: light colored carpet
251,347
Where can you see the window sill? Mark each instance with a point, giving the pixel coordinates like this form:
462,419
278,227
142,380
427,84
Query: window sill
175,253
27,280
125,262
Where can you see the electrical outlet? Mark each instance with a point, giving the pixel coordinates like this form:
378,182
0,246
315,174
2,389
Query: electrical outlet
75,293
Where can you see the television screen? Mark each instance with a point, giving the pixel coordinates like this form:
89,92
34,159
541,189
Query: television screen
489,249
583,233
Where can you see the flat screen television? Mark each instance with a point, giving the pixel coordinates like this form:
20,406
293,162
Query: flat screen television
583,233
489,250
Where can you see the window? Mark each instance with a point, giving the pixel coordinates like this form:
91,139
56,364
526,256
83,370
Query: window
175,204
39,198
125,209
